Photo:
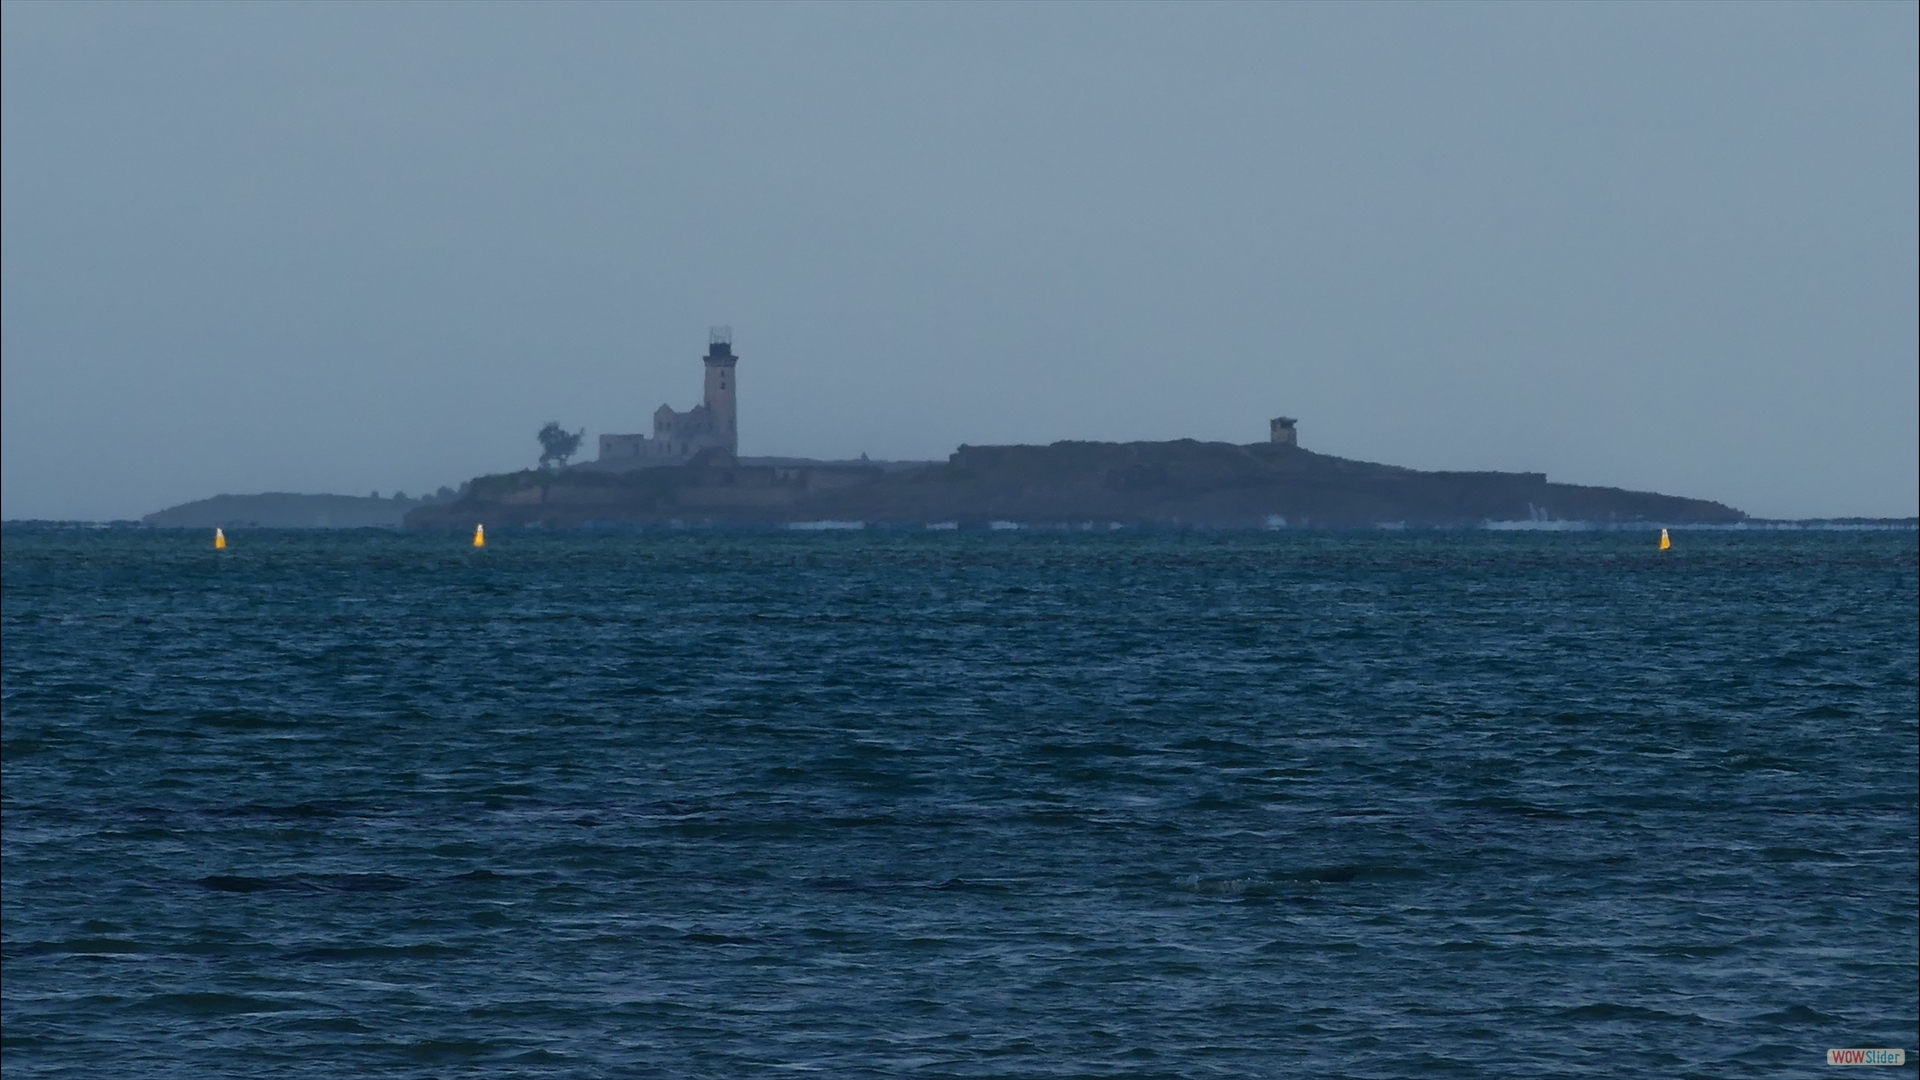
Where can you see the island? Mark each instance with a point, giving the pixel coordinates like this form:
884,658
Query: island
688,472
287,510
1178,483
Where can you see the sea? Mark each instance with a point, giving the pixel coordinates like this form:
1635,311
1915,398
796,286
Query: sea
1017,803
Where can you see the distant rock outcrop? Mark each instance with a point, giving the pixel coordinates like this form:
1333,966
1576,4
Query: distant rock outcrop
281,510
1159,483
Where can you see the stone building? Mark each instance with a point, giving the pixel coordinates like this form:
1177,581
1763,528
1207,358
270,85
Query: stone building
678,436
1281,430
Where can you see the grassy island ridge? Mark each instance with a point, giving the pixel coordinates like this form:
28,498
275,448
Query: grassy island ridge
1183,482
285,510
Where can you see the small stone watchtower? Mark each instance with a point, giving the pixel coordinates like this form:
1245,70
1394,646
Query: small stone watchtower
1281,430
720,397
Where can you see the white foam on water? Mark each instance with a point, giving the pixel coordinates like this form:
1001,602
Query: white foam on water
1894,525
1537,525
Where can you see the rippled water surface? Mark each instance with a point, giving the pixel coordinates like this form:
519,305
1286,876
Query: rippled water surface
712,804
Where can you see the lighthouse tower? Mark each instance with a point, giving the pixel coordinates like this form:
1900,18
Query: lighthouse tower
721,391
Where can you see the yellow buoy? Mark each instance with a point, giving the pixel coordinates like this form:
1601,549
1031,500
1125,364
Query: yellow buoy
479,536
1666,542
219,539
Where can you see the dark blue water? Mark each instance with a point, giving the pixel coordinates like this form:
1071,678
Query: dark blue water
710,804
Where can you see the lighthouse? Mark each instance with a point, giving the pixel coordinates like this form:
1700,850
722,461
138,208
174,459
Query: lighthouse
721,392
678,436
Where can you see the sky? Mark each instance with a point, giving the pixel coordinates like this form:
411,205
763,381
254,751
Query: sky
363,247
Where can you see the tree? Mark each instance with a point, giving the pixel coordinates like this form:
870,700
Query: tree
558,444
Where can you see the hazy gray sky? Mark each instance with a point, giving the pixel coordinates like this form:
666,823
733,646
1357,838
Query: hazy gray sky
351,247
